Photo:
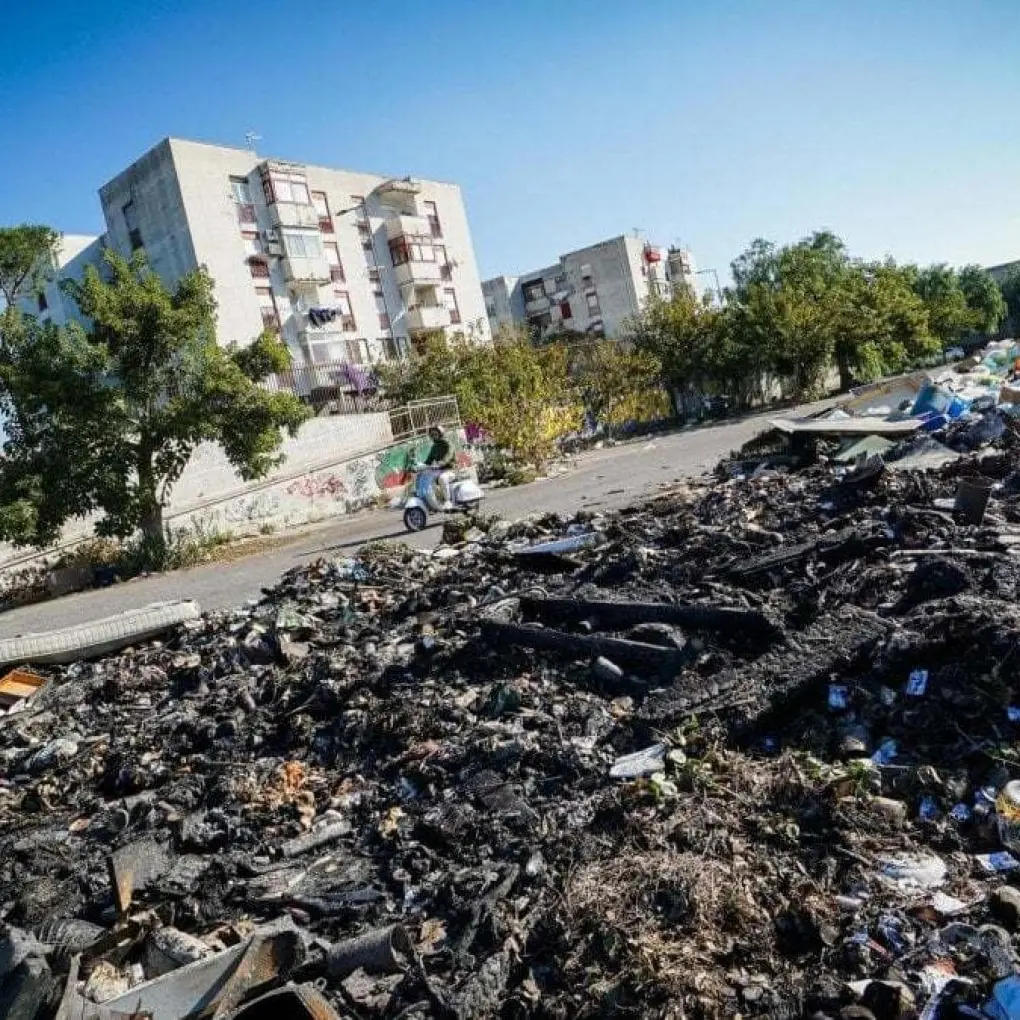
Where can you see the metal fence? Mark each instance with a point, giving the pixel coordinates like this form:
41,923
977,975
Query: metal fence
333,387
417,417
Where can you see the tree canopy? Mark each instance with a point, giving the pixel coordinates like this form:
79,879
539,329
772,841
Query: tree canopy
798,312
105,418
25,254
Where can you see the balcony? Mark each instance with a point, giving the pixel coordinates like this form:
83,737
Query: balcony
401,194
407,226
301,269
538,304
427,317
424,273
293,214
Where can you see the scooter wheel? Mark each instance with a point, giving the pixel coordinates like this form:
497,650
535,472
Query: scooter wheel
414,518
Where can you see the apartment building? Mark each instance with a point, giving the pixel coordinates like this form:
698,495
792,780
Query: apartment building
593,290
348,267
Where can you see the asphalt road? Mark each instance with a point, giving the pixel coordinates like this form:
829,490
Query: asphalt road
600,480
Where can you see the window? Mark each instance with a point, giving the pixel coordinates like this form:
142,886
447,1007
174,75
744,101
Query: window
131,222
270,319
291,191
394,348
241,190
265,293
593,304
343,304
411,249
445,270
432,215
357,352
533,290
380,307
565,312
259,267
307,246
321,204
43,303
451,303
370,262
336,268
252,244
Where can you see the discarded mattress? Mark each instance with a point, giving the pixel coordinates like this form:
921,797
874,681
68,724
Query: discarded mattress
846,426
100,637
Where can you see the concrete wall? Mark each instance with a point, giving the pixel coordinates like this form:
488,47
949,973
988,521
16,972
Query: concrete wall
151,187
210,490
321,441
503,302
316,495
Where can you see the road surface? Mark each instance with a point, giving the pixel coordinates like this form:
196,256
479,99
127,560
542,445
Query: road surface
600,480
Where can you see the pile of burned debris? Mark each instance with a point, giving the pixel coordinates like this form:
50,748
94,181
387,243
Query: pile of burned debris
744,750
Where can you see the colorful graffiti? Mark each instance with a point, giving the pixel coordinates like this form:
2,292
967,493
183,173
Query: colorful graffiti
392,471
315,486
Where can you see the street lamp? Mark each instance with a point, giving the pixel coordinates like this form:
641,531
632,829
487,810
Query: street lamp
718,289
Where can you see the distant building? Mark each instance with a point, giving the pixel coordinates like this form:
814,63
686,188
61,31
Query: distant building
594,290
347,266
1000,272
72,254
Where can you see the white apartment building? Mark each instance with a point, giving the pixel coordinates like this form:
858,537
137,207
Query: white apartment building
348,267
593,290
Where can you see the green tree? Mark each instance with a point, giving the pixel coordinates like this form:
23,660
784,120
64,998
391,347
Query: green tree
25,255
520,394
939,288
619,383
879,324
984,299
105,418
1010,290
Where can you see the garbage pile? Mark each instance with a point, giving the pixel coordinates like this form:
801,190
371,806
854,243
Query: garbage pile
744,750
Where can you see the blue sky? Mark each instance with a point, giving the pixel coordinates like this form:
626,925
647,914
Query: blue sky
895,123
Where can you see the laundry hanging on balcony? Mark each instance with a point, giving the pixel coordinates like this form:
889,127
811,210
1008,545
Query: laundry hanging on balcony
322,316
362,379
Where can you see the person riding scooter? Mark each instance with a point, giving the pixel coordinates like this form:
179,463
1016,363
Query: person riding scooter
442,458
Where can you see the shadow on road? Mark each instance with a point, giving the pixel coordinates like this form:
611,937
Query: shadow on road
355,543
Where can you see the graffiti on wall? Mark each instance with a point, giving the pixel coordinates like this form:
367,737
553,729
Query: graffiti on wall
330,486
329,492
256,507
393,468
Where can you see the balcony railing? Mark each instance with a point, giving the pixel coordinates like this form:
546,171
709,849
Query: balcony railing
293,214
427,317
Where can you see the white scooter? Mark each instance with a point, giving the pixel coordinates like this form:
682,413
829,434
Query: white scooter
423,499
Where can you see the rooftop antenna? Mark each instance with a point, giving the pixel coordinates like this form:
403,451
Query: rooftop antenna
251,138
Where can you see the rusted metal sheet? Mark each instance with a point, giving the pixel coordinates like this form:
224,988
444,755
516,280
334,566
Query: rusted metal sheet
196,991
295,1002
